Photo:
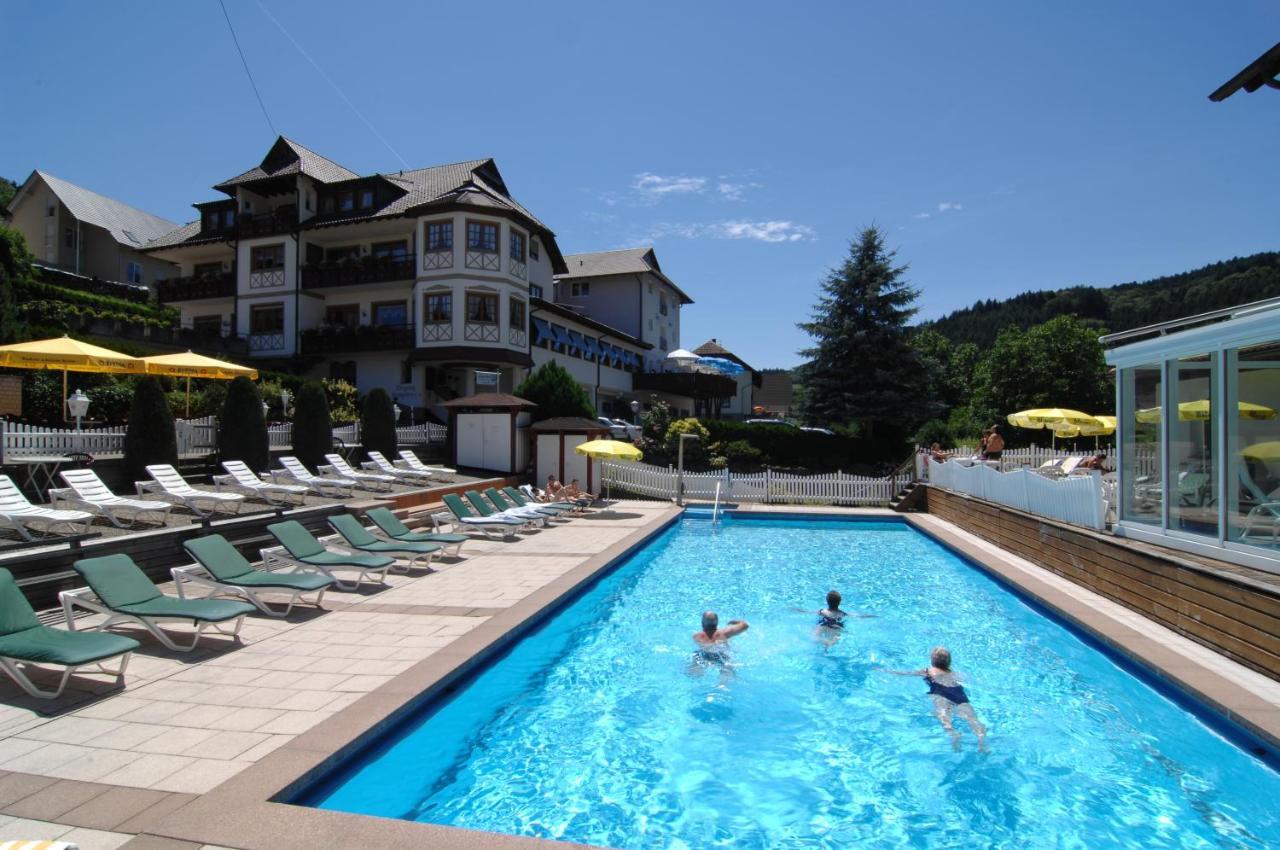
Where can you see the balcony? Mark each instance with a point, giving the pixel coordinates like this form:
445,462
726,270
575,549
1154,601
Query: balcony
342,340
222,285
357,272
282,220
696,385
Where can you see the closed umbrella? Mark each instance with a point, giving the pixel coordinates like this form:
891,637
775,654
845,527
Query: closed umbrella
69,355
609,450
191,365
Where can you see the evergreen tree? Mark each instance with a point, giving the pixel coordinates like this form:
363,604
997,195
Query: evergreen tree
312,427
556,393
242,429
862,370
15,272
150,437
378,423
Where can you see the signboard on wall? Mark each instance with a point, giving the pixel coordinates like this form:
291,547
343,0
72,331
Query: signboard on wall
487,381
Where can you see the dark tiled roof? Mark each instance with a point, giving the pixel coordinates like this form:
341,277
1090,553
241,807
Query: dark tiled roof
625,261
490,400
128,225
187,233
568,423
288,157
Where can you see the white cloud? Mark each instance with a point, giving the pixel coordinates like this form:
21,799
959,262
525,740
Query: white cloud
756,231
655,187
920,215
948,206
734,191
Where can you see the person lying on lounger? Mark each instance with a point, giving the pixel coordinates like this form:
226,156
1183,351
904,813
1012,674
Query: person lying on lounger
576,493
948,697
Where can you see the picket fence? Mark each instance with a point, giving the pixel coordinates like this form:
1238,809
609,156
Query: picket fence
194,436
1078,499
768,487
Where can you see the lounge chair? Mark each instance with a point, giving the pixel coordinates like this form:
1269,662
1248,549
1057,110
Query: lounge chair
1264,513
20,515
485,509
85,491
119,589
576,504
357,537
378,462
521,500
390,525
168,485
240,479
299,546
220,566
465,517
505,503
409,460
24,640
365,480
293,471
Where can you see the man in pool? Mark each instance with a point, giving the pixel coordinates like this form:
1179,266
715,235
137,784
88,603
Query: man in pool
948,696
713,641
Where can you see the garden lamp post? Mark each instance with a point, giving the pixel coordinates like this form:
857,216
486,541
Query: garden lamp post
680,464
635,412
78,405
284,403
395,412
265,407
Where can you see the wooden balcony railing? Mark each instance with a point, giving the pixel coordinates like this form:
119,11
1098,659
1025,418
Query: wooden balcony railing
363,338
222,285
282,220
356,272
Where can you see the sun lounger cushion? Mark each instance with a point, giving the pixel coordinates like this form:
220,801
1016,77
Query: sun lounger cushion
208,610
225,563
117,581
391,524
358,536
22,635
303,546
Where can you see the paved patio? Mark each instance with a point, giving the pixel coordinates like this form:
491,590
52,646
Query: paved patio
97,765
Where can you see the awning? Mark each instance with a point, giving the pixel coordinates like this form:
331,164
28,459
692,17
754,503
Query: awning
543,328
561,336
575,341
592,347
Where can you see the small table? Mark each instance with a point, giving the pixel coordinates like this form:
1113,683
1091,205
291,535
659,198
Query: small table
40,470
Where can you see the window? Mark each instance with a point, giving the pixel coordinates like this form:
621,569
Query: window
517,314
662,305
580,289
535,291
1140,404
1253,488
69,237
588,348
207,325
327,205
482,236
1192,451
342,254
437,308
265,257
133,273
406,371
391,250
517,246
533,248
662,343
207,269
366,199
308,202
482,308
228,218
391,313
51,210
346,202
342,315
266,318
439,236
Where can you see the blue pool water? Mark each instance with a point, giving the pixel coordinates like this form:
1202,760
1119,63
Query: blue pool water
593,728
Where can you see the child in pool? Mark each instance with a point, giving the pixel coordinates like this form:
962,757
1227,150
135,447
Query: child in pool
948,696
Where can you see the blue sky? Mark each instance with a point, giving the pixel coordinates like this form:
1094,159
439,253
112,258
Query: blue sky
1001,146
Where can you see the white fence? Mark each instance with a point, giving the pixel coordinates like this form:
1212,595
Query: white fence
1078,499
194,436
769,487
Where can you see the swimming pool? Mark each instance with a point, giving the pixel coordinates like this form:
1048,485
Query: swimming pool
594,729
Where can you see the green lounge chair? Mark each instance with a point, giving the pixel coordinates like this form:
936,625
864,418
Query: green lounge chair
506,526
579,505
298,546
25,641
358,537
503,503
517,498
220,565
479,505
390,525
123,592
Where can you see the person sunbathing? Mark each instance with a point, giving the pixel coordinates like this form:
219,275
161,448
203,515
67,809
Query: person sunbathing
576,493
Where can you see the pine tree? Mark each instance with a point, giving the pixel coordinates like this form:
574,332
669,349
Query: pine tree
862,371
556,393
378,423
312,427
242,429
150,437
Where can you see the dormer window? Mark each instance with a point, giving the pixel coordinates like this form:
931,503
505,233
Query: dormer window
346,202
366,199
482,236
326,205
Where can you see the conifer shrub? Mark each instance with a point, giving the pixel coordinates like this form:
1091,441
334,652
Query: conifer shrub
242,429
378,423
150,437
312,427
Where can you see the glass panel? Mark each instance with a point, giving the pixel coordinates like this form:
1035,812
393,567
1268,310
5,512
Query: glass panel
1253,446
1192,490
1140,409
391,313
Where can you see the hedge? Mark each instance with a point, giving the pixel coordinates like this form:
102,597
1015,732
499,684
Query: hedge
791,448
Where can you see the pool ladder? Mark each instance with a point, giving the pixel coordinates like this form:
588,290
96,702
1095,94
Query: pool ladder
715,509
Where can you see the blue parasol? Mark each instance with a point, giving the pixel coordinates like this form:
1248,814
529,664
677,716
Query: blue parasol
723,365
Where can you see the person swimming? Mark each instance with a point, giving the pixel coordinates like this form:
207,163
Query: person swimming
712,642
949,696
831,620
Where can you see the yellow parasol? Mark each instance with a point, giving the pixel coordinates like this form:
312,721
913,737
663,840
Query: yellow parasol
1059,420
191,365
1263,451
69,355
609,450
1201,410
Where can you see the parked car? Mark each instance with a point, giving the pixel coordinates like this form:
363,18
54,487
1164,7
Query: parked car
826,431
781,422
633,431
616,431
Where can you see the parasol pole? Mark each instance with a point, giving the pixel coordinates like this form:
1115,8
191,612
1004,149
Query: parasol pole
65,411
188,396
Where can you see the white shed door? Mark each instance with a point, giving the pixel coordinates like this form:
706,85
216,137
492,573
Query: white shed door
484,441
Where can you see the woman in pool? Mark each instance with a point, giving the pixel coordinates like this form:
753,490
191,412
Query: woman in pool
948,696
831,619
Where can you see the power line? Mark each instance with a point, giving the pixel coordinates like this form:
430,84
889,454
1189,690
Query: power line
334,85
247,72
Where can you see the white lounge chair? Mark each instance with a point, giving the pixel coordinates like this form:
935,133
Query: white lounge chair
20,515
378,462
86,491
364,480
292,471
168,485
409,460
240,479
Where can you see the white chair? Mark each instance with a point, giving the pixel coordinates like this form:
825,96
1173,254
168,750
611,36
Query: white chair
168,485
409,460
364,480
378,462
240,479
20,515
86,491
293,471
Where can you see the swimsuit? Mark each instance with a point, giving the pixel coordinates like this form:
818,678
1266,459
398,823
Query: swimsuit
953,694
830,621
711,656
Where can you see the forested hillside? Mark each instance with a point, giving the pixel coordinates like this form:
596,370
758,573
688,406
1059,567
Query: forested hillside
1122,307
